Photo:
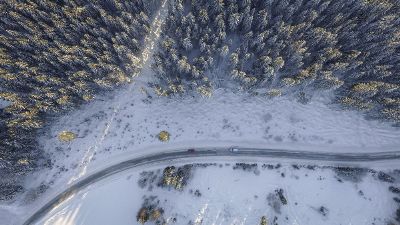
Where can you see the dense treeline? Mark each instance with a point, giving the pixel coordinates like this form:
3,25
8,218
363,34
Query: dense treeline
55,55
275,47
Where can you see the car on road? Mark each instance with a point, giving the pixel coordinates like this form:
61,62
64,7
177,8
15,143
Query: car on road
234,149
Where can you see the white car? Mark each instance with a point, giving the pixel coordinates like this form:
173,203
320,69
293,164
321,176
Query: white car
234,149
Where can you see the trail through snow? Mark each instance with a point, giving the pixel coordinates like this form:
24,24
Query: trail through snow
148,50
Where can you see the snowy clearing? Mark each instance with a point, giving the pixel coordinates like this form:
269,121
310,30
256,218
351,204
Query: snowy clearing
106,136
219,193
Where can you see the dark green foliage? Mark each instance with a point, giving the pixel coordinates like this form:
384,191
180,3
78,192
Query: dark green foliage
56,55
293,47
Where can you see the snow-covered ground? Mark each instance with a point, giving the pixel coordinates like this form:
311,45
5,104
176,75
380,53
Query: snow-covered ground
127,125
4,104
124,124
228,193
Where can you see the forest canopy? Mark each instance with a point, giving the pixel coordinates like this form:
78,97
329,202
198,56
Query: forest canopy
294,47
54,56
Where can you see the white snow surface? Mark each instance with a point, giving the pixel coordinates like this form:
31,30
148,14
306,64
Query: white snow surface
4,103
127,125
230,196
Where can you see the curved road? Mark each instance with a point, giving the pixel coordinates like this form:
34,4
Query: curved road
344,158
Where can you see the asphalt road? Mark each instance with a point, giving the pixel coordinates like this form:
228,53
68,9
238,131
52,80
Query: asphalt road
343,158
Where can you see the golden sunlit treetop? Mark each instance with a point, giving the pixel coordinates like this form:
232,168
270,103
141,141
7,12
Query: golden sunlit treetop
163,136
66,136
